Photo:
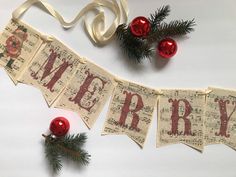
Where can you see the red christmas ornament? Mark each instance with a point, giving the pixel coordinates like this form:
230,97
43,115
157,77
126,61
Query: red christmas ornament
140,26
59,126
167,48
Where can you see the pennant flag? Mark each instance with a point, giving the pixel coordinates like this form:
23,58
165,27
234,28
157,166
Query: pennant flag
51,69
18,44
131,110
180,118
87,92
220,117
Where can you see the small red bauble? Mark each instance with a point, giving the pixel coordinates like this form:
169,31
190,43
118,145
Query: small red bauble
59,126
140,26
167,48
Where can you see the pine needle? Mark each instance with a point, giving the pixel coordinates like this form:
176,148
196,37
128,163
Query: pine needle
174,28
135,48
69,147
158,16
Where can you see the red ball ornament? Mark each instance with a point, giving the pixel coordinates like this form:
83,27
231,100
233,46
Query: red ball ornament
167,48
140,26
59,126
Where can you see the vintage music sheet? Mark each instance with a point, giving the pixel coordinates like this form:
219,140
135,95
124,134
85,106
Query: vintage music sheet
18,44
131,111
51,69
87,92
220,117
180,118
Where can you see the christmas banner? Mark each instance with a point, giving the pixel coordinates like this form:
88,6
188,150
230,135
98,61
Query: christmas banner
68,81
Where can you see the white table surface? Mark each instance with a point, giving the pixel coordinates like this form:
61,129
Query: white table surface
205,58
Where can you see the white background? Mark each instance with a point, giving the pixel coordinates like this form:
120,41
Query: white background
205,58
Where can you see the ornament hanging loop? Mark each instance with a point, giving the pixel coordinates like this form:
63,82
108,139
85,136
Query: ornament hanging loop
95,30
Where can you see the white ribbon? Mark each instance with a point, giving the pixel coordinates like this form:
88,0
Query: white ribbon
95,30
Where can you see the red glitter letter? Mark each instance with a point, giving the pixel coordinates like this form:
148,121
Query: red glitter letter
224,118
84,89
175,117
48,65
125,110
48,70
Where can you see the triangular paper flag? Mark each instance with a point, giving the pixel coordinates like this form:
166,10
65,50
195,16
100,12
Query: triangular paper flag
220,117
180,118
131,111
51,69
18,44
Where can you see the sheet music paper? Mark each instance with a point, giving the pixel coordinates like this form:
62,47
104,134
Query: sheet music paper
131,111
180,118
220,117
51,69
87,92
18,44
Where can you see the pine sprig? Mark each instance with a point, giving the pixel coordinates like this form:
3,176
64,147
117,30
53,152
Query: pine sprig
157,17
53,156
121,31
135,48
75,140
138,48
79,156
171,29
69,147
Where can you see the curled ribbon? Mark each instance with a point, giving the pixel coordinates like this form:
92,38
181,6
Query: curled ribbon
96,29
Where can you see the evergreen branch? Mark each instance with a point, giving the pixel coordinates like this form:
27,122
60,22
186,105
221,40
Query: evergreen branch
174,28
134,48
138,48
121,31
53,156
75,140
71,148
68,147
158,16
79,156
